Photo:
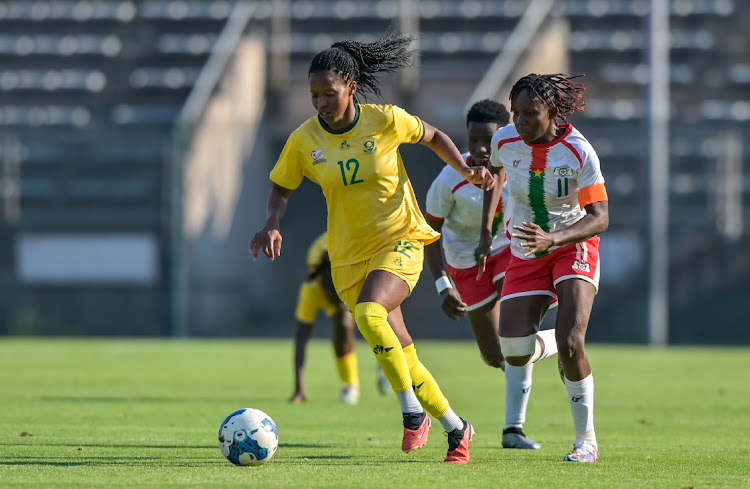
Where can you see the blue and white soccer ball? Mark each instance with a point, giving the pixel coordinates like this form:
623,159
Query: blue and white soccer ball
248,437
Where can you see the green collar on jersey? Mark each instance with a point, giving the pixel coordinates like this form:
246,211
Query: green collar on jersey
345,129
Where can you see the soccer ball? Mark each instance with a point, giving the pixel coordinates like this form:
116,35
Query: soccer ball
248,437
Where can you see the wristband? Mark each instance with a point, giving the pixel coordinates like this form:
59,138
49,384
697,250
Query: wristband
443,283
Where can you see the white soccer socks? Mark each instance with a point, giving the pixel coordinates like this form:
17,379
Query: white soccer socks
517,391
581,396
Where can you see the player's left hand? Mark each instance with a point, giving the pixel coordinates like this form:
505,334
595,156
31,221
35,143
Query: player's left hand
479,175
532,237
452,305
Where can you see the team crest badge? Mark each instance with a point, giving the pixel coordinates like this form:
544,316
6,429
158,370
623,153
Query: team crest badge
370,147
563,171
582,266
318,156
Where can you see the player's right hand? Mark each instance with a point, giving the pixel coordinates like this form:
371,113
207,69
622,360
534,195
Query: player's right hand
267,239
483,250
480,175
453,306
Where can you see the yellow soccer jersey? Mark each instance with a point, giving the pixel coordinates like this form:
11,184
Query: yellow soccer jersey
316,251
370,200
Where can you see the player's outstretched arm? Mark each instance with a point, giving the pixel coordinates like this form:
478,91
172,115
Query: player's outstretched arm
490,199
268,239
443,146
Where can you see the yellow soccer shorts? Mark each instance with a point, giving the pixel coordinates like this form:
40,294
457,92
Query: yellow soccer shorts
311,299
402,258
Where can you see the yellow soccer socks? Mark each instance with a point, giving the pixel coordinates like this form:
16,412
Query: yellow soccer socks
428,392
425,387
372,321
348,369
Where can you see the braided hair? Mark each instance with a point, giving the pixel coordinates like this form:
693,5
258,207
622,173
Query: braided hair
361,61
488,111
559,91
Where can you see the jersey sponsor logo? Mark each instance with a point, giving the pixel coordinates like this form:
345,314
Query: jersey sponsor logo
318,156
582,266
563,171
370,147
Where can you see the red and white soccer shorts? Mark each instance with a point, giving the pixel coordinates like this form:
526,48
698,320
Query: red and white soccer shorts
476,293
540,276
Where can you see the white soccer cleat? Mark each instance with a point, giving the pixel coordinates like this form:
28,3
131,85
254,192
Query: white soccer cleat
582,452
349,394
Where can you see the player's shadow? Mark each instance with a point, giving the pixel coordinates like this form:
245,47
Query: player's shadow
340,460
115,461
155,399
302,445
322,457
137,445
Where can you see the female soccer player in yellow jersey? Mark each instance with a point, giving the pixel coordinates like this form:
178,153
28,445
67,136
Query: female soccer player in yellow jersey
559,206
376,232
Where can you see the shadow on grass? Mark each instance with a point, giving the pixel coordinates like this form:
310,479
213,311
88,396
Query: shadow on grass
116,461
323,457
332,460
154,399
344,460
303,445
171,447
90,445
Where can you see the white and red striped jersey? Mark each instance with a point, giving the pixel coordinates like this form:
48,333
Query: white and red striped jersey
548,184
458,204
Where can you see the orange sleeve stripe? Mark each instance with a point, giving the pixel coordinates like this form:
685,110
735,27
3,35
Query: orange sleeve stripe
593,193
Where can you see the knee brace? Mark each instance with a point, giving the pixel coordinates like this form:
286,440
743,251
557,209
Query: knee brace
521,347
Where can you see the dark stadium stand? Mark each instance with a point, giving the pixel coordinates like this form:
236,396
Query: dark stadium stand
90,90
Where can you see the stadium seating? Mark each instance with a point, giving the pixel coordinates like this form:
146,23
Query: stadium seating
91,89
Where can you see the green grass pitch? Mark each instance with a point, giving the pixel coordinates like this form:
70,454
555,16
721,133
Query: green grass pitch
145,414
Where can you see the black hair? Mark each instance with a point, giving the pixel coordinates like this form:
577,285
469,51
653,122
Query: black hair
488,111
360,61
559,91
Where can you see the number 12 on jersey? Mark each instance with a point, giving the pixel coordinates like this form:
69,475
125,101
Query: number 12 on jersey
347,167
